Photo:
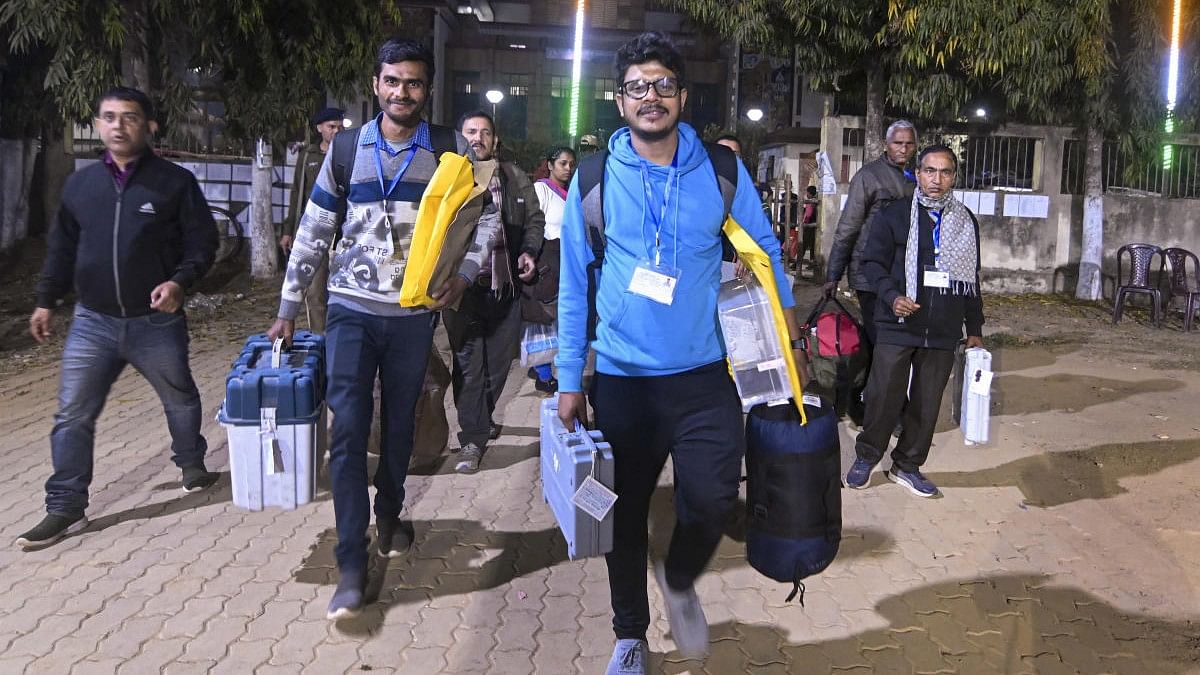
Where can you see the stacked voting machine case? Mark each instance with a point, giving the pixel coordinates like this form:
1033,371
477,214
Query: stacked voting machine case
572,463
274,415
755,355
975,382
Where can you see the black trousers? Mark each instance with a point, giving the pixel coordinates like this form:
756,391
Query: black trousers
485,335
886,395
696,418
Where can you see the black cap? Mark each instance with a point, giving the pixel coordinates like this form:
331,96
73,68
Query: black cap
327,115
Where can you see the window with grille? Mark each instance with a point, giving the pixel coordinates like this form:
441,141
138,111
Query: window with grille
606,88
518,83
466,82
560,86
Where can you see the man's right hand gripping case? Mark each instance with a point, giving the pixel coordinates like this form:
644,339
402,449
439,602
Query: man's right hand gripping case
568,460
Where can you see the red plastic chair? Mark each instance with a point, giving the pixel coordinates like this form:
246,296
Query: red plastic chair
1182,285
1140,258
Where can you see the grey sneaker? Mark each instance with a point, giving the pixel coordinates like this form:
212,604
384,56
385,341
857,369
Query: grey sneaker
468,458
689,628
347,600
52,528
629,658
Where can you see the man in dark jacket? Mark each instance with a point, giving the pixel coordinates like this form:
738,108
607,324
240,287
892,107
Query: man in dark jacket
877,184
133,233
922,260
328,123
485,330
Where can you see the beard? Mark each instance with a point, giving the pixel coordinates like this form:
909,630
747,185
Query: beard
654,135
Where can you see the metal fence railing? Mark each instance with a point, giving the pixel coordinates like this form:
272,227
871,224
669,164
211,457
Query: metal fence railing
1122,173
1007,163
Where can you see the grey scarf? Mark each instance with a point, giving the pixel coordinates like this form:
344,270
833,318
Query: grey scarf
958,253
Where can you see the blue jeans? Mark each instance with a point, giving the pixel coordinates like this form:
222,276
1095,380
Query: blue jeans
97,349
362,347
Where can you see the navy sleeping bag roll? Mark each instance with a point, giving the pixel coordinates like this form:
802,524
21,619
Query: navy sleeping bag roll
793,485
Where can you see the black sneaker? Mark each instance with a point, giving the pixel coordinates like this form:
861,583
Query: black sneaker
395,536
52,528
494,431
546,386
196,478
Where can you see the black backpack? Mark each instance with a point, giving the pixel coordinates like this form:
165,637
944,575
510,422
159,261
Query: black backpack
591,177
345,145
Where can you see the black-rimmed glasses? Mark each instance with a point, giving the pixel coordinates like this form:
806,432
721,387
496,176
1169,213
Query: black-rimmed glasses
667,87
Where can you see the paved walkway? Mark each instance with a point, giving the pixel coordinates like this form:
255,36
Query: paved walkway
1053,551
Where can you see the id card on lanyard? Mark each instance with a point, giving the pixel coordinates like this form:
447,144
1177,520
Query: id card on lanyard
652,278
381,146
934,276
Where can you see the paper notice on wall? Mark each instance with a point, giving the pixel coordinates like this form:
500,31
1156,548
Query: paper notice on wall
987,204
1012,206
1034,206
825,172
960,196
971,201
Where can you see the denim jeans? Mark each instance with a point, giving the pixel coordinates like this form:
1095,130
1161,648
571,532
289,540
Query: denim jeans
362,347
485,344
98,347
696,418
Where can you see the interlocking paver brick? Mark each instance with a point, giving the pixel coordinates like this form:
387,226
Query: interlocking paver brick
244,657
436,627
302,637
154,656
213,641
469,652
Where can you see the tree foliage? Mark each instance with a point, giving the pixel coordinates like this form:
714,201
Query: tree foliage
270,58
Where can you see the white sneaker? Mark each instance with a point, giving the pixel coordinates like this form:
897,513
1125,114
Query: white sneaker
689,628
629,658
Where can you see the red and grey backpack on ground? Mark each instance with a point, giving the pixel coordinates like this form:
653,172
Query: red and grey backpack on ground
793,491
835,346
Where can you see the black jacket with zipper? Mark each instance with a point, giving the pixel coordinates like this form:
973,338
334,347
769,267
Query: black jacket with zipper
115,246
938,324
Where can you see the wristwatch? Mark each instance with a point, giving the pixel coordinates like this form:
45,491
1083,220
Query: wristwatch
800,343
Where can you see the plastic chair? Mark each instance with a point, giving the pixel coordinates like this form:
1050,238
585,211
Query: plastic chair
1138,281
1181,284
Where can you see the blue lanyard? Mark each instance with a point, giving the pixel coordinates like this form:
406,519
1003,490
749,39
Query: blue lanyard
651,203
937,235
387,189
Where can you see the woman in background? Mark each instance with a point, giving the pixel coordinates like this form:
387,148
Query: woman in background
541,296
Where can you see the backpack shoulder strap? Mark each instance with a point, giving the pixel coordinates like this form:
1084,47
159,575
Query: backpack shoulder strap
443,139
345,144
591,195
725,166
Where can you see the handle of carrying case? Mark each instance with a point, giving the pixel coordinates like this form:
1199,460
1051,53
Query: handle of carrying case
277,352
821,305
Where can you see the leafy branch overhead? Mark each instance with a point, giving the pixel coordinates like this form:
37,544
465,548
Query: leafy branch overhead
266,60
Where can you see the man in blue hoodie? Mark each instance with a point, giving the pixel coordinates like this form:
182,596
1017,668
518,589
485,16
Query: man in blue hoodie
662,387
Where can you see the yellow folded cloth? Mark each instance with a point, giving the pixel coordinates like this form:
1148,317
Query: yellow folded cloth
443,230
757,261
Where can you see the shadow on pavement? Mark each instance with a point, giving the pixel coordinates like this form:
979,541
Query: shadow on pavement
496,458
1000,624
220,492
1056,478
1019,395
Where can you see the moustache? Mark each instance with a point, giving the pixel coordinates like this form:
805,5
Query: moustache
651,108
403,101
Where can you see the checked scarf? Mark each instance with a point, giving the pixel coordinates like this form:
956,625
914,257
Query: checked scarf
958,250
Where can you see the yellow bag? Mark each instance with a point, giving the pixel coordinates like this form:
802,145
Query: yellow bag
757,261
442,231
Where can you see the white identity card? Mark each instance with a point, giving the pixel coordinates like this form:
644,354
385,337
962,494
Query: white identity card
656,282
594,498
936,278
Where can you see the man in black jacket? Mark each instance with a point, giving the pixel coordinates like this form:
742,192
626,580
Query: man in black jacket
133,233
485,330
922,260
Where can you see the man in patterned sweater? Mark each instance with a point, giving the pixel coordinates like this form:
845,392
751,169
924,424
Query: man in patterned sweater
369,222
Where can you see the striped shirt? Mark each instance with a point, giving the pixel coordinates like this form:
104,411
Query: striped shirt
367,266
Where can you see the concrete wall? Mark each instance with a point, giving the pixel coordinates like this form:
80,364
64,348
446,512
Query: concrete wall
1030,253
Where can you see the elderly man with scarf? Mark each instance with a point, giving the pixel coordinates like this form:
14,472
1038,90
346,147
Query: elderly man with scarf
922,259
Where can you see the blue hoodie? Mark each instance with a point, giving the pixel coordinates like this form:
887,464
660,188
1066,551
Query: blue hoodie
636,336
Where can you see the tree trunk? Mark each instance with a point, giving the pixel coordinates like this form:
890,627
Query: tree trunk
57,164
264,260
1091,285
16,173
874,130
135,67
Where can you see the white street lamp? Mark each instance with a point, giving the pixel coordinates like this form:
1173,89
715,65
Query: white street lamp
494,96
754,114
980,112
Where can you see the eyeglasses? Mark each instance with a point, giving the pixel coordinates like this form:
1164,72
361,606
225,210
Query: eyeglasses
667,87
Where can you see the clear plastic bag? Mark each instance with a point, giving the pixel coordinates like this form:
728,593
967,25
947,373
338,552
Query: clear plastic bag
539,344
